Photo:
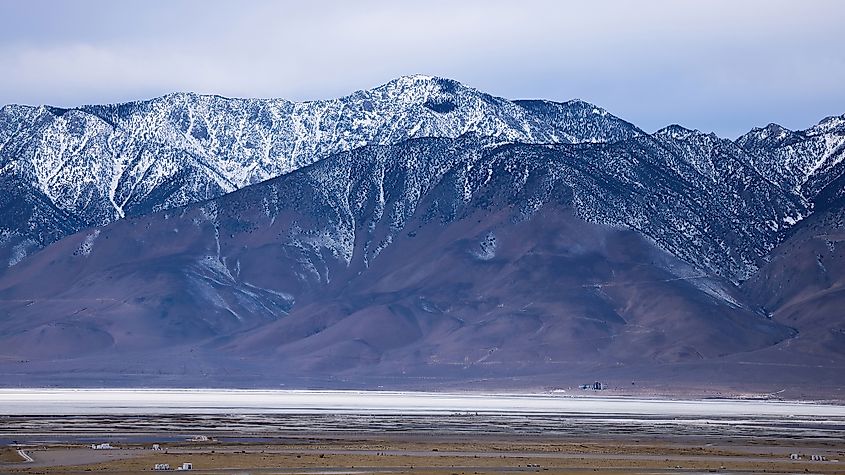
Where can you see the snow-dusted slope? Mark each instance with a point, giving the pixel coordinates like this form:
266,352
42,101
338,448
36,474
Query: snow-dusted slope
728,174
107,161
802,161
99,163
87,166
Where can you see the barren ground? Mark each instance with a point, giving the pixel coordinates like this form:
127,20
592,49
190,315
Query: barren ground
457,444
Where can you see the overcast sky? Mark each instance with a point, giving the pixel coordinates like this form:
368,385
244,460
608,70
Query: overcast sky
715,65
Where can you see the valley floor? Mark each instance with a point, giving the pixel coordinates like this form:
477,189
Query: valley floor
322,454
688,437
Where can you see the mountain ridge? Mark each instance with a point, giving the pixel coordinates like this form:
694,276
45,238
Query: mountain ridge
87,163
419,231
100,163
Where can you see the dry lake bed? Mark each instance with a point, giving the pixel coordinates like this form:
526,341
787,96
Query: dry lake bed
336,432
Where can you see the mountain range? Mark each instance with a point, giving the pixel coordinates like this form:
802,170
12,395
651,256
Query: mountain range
418,234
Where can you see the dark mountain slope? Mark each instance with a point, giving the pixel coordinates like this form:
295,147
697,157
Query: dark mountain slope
430,262
803,285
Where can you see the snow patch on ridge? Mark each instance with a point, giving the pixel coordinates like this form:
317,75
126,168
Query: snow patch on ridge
88,243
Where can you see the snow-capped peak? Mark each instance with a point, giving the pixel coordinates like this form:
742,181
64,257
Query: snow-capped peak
771,134
678,132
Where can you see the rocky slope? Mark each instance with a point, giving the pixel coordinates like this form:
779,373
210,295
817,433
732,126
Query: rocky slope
806,161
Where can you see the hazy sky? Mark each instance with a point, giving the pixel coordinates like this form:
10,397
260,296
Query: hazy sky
715,65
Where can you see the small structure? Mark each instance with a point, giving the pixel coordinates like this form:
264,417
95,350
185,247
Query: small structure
597,386
186,466
105,446
161,467
794,457
156,447
199,438
818,458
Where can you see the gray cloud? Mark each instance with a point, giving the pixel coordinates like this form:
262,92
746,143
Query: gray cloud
716,65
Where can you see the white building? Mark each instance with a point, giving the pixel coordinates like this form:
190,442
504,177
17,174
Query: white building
161,466
186,466
105,446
